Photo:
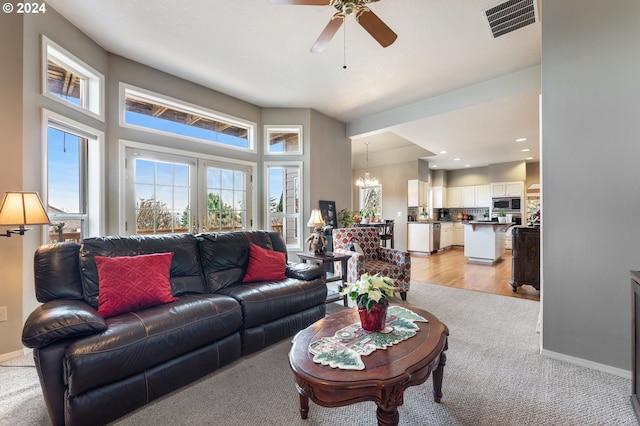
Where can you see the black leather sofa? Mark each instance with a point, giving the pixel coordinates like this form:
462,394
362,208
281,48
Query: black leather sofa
93,370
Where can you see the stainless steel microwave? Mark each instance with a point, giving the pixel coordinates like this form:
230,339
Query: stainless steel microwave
508,204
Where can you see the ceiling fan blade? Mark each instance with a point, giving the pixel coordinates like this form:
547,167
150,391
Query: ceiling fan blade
374,26
329,31
303,2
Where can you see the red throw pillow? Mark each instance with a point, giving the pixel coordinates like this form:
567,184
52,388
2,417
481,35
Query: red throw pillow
128,283
265,265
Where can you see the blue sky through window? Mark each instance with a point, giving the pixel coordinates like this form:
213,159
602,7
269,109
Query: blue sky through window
184,129
63,171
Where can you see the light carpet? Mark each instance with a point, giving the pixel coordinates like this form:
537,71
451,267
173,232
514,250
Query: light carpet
494,376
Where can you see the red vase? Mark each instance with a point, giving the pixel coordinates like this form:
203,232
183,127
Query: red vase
374,320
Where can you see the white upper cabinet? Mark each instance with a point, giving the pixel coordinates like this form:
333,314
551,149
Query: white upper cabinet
439,198
454,198
507,189
483,196
417,192
468,196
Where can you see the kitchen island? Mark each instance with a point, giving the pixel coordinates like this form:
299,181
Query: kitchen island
484,241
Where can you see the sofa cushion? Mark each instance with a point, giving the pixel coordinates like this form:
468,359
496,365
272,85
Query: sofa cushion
263,302
225,257
135,342
264,265
128,283
186,273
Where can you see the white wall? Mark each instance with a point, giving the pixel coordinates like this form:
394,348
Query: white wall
590,176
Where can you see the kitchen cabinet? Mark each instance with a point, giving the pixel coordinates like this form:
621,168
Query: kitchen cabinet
419,237
439,198
454,198
416,193
458,229
447,238
507,189
483,196
468,196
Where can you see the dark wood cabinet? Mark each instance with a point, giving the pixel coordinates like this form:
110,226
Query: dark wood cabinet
525,252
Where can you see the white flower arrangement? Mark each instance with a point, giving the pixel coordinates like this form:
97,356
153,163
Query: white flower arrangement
370,290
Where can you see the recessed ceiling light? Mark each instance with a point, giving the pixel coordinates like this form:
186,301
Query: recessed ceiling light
526,150
456,159
521,139
529,158
443,152
467,165
433,166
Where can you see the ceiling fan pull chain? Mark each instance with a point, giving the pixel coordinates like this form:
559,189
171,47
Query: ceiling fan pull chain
344,52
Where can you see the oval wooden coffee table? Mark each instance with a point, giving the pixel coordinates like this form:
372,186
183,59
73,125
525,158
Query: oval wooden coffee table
388,372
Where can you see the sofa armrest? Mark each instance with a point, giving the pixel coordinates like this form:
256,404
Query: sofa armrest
61,319
303,271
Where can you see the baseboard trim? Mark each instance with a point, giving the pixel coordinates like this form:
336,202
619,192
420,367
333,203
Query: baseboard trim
580,362
15,354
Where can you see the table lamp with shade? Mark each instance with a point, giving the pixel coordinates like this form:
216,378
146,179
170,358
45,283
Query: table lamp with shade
317,241
20,208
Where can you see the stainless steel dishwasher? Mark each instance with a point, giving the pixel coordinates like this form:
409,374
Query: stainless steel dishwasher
435,231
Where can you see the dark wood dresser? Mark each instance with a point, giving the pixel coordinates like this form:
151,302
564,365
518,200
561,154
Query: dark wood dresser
525,257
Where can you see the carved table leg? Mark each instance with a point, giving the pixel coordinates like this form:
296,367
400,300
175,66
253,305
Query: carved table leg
437,376
388,418
304,402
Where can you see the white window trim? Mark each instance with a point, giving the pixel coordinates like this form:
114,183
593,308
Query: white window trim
95,80
95,171
125,88
299,164
124,144
268,128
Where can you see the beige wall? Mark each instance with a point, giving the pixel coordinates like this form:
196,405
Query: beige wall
11,179
21,110
393,178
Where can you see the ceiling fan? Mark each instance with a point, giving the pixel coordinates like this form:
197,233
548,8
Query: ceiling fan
364,16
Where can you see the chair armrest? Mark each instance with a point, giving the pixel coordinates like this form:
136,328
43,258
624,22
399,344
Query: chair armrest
303,271
61,319
353,254
397,257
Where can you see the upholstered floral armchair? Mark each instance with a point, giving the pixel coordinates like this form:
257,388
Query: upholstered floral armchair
373,258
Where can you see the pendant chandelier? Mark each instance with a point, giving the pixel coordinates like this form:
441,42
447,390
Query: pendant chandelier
368,180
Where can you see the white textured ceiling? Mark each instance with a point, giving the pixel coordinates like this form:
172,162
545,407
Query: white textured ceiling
259,52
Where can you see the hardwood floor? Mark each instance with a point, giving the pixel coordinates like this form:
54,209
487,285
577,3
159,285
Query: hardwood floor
450,268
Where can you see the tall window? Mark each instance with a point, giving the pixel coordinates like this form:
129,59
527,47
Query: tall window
73,174
283,188
160,113
173,193
226,198
69,80
162,192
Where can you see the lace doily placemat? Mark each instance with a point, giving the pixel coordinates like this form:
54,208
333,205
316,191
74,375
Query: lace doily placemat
347,346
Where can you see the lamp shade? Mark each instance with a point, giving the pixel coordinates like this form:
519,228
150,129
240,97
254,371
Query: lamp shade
22,208
316,218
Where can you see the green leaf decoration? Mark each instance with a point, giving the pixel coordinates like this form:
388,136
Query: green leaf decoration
347,359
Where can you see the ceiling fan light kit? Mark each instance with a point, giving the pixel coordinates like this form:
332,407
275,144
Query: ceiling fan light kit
364,16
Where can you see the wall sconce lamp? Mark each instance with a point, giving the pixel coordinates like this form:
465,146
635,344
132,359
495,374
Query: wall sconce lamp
21,208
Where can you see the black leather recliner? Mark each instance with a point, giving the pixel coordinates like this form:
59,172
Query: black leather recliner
94,370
